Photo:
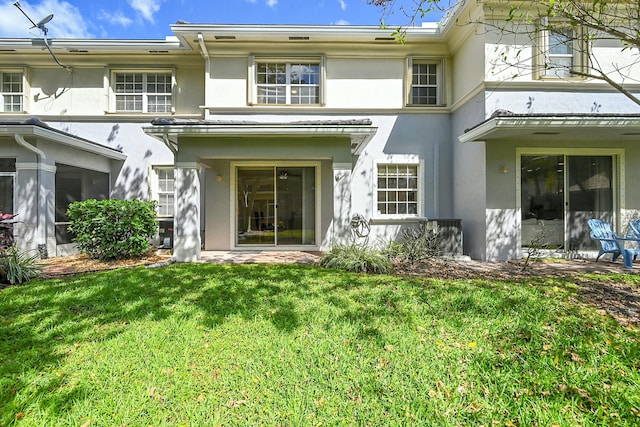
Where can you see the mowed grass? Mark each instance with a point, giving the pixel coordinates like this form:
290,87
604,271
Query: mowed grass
285,345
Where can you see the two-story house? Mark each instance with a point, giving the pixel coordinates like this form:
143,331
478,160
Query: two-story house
273,137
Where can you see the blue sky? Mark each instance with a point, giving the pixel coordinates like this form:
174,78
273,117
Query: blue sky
150,19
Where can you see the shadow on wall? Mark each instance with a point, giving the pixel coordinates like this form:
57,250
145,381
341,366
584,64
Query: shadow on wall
502,235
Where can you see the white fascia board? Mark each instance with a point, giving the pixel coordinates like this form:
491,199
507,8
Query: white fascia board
266,130
325,32
491,128
172,44
359,134
68,140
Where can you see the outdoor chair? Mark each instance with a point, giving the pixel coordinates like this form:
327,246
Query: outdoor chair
635,229
612,243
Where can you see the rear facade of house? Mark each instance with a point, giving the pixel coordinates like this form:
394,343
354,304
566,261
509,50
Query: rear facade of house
275,137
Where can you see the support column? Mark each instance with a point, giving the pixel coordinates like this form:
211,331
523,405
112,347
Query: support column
35,205
186,243
341,230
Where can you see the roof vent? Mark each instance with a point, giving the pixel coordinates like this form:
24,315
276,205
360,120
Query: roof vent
385,39
225,37
158,51
298,38
78,51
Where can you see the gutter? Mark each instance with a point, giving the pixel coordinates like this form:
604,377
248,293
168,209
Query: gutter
21,141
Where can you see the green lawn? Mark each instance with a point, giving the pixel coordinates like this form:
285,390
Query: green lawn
205,345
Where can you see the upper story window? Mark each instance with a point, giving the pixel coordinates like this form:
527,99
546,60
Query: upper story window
562,50
287,82
397,189
12,92
143,92
426,77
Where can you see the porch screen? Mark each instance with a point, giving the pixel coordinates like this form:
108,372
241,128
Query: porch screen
74,185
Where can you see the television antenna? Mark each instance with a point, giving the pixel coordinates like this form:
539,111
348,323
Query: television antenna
41,26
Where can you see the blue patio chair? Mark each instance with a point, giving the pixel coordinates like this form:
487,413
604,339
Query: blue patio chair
635,229
612,243
604,234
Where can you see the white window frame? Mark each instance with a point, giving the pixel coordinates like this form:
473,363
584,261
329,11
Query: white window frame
545,58
439,86
157,193
254,61
419,165
144,73
22,93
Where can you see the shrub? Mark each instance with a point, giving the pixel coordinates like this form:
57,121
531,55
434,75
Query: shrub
6,230
113,229
415,244
360,259
16,266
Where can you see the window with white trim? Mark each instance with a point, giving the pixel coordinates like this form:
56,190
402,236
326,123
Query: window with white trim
11,92
287,82
397,190
561,50
426,79
143,92
165,184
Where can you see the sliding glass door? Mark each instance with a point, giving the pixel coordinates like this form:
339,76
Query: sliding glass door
276,206
559,194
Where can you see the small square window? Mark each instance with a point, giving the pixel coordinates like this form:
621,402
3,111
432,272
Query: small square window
397,189
143,92
11,92
287,82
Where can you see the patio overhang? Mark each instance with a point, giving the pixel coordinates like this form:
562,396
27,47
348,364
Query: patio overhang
34,129
169,131
504,125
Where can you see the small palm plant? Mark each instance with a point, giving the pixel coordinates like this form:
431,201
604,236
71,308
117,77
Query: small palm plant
16,266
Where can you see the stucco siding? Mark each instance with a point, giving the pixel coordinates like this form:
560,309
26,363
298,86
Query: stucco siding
469,183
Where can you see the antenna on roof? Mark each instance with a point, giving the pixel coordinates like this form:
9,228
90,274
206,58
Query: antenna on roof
41,25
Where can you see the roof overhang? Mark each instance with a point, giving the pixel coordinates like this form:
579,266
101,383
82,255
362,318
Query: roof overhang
583,127
38,130
359,132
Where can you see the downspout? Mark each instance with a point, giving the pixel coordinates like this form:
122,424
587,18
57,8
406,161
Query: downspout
40,217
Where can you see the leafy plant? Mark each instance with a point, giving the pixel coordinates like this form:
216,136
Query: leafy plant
113,229
6,230
355,258
16,266
415,244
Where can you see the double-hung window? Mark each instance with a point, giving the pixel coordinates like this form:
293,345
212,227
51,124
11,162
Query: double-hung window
143,92
287,82
11,92
397,190
562,50
426,82
165,190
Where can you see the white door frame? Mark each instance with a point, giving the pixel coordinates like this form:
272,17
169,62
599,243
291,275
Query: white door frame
618,184
233,179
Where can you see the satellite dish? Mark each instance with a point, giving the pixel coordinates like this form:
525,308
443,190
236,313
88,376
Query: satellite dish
41,25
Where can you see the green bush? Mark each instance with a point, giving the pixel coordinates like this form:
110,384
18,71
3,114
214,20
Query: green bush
113,229
17,267
356,258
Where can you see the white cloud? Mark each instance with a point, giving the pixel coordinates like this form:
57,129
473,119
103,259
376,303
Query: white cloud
252,1
146,8
117,18
341,22
343,4
66,23
272,3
